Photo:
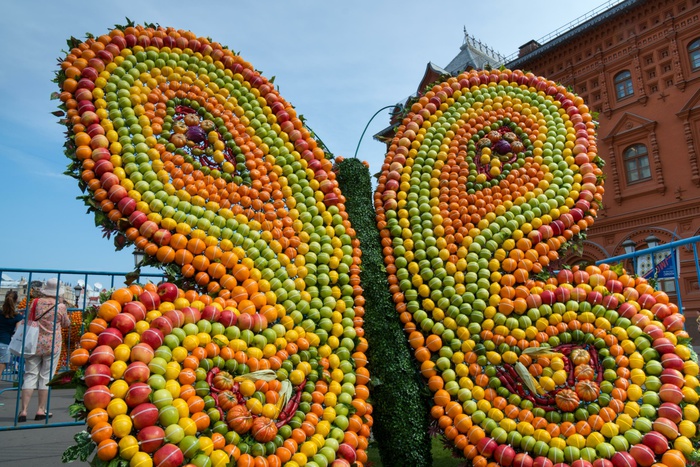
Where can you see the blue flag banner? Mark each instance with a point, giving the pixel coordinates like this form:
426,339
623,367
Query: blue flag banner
664,269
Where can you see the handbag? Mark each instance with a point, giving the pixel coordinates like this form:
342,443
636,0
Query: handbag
25,338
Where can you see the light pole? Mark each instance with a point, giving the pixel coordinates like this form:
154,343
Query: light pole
78,289
630,247
138,258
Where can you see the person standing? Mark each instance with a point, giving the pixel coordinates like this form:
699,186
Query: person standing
51,314
8,322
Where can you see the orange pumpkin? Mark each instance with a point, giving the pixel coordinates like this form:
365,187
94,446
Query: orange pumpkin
223,381
567,400
226,400
584,372
239,419
579,356
587,390
264,429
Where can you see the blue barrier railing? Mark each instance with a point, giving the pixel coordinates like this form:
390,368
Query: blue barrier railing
82,290
650,252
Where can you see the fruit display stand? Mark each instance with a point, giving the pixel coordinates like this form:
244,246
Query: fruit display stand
257,355
490,178
289,291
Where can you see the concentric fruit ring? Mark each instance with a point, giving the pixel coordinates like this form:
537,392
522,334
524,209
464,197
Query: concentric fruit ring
190,154
491,175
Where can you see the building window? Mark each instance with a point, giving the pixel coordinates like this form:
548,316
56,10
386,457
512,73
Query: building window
694,54
623,84
637,164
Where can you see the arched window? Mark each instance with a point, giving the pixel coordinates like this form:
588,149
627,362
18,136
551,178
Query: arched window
636,159
694,54
623,84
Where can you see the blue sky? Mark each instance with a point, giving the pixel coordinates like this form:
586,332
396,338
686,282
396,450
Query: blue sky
336,62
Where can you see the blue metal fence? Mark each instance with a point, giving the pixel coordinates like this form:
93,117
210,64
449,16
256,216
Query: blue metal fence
81,291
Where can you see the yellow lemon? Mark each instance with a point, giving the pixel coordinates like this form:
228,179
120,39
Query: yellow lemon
116,406
632,409
219,458
577,441
190,343
691,412
141,459
634,392
179,353
182,408
684,445
559,443
547,383
121,425
173,386
128,446
690,368
122,352
687,428
542,435
690,395
132,338
172,370
525,429
118,368
594,439
118,388
624,422
609,429
556,364
683,352
637,376
559,377
206,444
188,425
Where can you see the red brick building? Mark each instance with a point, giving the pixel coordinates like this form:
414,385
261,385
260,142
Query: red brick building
637,65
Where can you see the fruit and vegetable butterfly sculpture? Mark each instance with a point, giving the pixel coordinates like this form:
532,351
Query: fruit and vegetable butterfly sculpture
491,174
187,152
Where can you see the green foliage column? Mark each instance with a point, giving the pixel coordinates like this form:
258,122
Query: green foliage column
397,392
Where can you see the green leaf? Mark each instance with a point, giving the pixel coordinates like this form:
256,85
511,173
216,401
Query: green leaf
78,411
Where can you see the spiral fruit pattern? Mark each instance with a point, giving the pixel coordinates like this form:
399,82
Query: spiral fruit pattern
187,152
489,178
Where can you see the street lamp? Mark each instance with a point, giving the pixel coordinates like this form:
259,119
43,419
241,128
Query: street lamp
652,241
629,246
138,258
78,289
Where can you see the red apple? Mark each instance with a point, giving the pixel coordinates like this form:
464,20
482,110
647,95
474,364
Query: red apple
672,361
581,463
672,376
125,322
666,427
522,460
144,415
486,446
602,463
169,455
671,393
671,411
211,313
152,337
341,463
192,315
245,321
111,337
137,393
167,291
97,374
643,455
142,352
151,438
97,397
654,331
163,324
347,452
135,308
627,310
176,317
542,461
102,354
623,459
504,455
663,346
162,237
656,441
228,318
136,372
150,299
